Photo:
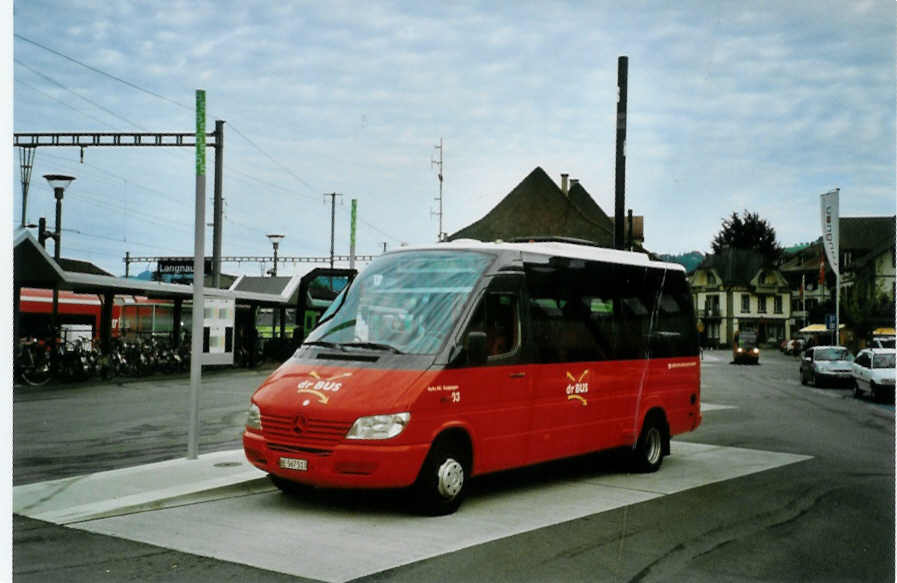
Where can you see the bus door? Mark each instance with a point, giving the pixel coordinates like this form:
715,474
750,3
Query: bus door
496,395
572,329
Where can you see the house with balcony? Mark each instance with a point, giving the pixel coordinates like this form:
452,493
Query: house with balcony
737,290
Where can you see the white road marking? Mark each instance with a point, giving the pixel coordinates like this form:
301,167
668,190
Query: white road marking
308,539
712,407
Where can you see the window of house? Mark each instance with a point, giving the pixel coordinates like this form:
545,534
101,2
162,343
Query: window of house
711,279
761,304
777,304
745,303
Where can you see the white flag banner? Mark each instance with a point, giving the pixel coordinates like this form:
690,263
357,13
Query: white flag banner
829,207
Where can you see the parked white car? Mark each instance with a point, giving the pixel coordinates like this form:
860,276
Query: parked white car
873,373
826,364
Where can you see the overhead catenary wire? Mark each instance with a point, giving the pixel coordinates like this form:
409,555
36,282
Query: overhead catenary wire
101,72
178,104
75,93
56,99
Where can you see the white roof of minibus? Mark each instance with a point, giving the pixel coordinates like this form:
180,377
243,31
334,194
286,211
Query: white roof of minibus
552,248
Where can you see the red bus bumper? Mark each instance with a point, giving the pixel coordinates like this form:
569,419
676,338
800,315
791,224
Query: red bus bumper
344,466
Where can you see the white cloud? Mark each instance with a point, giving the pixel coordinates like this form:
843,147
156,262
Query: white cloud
763,105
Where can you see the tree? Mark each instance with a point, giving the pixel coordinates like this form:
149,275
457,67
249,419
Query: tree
864,307
748,231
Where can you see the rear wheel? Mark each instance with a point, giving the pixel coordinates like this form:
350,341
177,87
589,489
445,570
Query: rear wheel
441,484
648,452
803,378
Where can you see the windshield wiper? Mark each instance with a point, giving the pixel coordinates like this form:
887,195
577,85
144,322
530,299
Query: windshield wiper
323,343
374,346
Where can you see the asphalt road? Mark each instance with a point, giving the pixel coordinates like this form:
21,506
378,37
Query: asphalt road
830,518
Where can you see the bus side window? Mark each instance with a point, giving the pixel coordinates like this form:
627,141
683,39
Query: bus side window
674,332
498,316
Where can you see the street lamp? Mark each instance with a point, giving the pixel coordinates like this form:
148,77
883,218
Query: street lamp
58,182
275,241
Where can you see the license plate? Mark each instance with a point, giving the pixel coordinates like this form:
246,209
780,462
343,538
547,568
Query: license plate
289,463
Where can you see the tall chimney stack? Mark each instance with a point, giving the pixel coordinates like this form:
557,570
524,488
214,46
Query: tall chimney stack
564,183
620,186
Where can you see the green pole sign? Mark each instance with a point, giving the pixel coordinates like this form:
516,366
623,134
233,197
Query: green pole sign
354,217
200,132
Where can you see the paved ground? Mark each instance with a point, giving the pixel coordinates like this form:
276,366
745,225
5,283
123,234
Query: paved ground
781,483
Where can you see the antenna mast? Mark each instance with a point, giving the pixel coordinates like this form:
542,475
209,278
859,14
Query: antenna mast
440,235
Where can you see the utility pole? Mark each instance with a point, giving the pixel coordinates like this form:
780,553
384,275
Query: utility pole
620,179
332,196
217,205
440,236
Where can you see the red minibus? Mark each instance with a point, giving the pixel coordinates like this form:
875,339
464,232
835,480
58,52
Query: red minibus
441,363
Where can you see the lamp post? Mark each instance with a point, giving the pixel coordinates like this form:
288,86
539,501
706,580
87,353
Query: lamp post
58,182
275,241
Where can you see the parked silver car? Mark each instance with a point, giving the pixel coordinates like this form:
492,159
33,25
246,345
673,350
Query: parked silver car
873,373
821,364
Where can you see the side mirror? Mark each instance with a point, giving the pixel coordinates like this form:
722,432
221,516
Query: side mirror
476,348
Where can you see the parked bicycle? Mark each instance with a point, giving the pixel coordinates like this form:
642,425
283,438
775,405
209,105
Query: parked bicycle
33,363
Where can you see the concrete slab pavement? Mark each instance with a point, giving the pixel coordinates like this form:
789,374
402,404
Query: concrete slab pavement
335,539
147,487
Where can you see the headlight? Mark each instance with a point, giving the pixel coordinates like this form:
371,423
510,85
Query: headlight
378,426
741,350
756,351
254,419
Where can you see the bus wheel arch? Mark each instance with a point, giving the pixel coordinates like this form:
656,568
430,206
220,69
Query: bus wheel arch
443,478
653,442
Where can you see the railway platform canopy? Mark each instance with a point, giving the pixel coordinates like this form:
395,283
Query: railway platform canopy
33,267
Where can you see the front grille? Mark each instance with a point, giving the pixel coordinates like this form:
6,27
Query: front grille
301,431
283,448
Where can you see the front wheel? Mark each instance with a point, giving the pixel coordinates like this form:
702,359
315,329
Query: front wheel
648,452
440,486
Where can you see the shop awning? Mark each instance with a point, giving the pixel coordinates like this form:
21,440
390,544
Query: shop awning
816,329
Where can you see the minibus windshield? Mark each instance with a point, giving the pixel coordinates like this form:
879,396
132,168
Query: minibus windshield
403,303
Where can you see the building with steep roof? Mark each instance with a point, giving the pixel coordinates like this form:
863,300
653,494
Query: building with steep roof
537,207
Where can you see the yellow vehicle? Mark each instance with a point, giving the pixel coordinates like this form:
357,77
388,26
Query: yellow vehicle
744,347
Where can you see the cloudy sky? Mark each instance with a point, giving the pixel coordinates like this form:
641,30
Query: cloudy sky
760,106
